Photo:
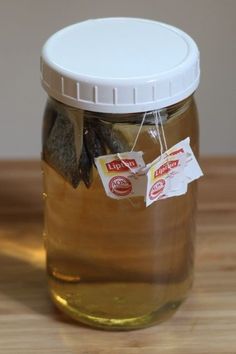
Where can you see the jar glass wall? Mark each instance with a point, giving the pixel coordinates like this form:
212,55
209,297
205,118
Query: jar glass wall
114,263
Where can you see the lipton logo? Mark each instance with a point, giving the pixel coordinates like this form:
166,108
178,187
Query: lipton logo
120,166
181,150
157,189
165,168
120,186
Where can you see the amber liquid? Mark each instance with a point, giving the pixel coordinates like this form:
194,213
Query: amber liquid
116,264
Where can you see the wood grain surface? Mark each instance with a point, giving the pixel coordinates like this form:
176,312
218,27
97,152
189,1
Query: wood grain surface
29,323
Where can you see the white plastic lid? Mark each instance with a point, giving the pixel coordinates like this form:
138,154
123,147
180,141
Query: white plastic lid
120,65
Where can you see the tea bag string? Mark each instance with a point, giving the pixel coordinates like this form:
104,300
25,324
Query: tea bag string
139,131
158,121
161,136
158,131
162,130
134,144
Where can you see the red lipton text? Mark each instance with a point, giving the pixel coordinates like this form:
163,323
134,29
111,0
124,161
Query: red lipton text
166,168
119,166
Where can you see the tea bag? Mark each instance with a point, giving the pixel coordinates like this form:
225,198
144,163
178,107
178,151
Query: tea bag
71,143
77,119
114,140
50,117
85,168
59,150
94,145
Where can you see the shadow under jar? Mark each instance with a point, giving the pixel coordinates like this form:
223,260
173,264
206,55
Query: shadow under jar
114,264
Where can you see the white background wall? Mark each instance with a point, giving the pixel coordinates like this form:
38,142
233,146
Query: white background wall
26,24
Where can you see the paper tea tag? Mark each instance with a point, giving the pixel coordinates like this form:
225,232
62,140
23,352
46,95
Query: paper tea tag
125,175
166,177
122,175
169,175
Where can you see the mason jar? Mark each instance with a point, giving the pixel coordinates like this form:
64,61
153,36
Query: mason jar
115,263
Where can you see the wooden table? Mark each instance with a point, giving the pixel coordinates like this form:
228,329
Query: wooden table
29,323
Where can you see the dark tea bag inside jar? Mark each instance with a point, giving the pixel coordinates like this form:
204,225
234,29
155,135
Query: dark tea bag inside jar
94,144
73,142
114,140
60,150
50,114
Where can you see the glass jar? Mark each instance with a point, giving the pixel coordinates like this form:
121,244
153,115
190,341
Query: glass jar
115,264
